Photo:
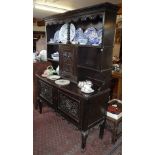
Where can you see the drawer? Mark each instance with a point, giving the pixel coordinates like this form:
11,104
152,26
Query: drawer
69,105
46,91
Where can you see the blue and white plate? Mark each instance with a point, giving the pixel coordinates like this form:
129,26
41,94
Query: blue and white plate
63,33
99,33
91,35
72,31
56,36
78,34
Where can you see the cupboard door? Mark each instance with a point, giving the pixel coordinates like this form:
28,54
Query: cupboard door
69,105
46,91
67,54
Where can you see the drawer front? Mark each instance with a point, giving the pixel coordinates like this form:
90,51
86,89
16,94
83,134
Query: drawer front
70,106
46,91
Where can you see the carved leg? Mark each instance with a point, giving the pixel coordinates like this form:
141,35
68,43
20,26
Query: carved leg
40,105
36,104
102,126
114,133
84,138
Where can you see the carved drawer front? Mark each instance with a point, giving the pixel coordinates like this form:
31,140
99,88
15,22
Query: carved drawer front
46,92
69,106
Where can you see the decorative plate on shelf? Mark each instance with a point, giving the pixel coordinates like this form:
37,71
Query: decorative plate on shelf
72,31
78,34
56,36
91,34
99,33
53,77
62,82
63,33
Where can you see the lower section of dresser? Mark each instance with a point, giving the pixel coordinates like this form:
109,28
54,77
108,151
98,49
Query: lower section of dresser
83,112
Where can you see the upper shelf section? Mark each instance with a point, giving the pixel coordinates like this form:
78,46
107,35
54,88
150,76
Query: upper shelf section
86,32
75,15
91,26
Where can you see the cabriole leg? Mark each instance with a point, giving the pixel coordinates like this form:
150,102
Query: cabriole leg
40,105
102,126
84,136
114,133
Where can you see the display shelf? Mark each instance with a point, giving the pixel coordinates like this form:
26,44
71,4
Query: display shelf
89,68
76,45
89,46
54,44
50,59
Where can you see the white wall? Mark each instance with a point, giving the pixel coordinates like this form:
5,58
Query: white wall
38,28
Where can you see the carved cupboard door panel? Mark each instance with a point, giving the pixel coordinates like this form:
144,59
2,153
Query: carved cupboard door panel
68,63
46,91
69,105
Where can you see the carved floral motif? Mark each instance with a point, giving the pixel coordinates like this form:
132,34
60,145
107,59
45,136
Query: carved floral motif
46,92
69,106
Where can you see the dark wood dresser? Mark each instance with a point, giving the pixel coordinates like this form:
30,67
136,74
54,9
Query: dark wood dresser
80,62
38,68
83,110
